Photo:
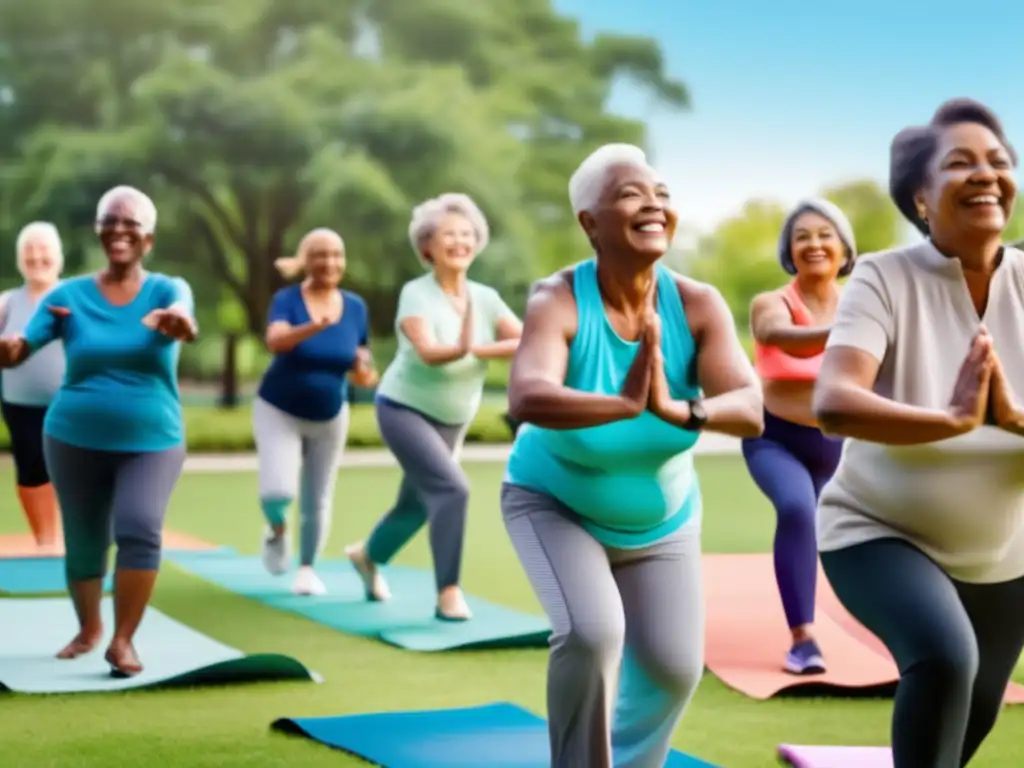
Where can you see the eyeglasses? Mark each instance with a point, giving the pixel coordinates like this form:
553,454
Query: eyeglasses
111,222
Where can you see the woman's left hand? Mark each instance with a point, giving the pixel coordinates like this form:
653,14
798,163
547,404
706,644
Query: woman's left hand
1006,412
172,323
660,398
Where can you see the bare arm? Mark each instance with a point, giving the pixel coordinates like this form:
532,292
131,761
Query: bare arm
846,405
508,331
419,333
537,392
283,337
364,372
734,402
771,324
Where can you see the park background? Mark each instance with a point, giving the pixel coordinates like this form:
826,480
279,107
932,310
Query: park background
250,122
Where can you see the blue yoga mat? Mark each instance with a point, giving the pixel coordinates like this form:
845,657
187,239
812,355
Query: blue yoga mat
491,736
36,575
171,652
406,621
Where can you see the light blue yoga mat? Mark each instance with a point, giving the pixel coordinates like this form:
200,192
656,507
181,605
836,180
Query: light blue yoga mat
36,575
406,621
33,630
491,736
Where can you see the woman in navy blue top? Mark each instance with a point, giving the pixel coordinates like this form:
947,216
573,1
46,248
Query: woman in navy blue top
319,335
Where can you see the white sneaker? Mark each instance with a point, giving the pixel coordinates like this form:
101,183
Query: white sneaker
373,582
308,583
276,552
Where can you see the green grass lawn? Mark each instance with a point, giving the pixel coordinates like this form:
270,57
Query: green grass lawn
230,726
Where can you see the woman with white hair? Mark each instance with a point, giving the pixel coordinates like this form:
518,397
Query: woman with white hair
622,365
113,437
26,393
448,327
319,335
792,461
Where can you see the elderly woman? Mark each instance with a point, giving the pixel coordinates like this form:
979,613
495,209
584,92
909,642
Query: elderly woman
113,436
793,460
921,530
319,335
622,365
26,393
448,327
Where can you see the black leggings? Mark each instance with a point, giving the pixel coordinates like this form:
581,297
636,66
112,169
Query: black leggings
956,645
25,423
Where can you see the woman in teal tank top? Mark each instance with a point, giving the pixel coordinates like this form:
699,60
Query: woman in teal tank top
622,364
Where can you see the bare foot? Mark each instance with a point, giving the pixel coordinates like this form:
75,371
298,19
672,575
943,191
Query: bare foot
451,605
123,660
376,588
82,644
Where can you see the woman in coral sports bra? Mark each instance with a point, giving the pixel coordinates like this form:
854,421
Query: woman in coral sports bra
793,460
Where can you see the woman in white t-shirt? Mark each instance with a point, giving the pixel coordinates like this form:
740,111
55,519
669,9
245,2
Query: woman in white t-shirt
921,530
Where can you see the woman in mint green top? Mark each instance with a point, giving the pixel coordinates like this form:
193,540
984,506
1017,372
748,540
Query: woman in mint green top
448,327
113,437
623,364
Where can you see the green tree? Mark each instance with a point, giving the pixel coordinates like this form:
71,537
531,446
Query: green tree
877,223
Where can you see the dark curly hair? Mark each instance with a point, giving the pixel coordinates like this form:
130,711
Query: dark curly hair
914,148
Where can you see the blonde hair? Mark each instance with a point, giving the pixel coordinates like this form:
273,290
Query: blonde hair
291,267
428,214
45,231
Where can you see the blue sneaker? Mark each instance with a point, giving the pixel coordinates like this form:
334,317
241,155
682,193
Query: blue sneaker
805,659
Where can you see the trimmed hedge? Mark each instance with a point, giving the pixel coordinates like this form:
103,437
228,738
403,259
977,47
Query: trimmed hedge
215,430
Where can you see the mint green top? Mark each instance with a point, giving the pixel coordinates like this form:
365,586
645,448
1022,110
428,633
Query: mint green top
449,393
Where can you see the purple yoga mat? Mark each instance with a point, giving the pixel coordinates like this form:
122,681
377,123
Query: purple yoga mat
836,757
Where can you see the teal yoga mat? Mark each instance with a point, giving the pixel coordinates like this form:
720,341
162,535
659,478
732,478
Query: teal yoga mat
492,736
36,575
172,653
406,621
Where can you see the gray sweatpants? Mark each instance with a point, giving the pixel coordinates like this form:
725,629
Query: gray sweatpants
434,490
300,458
107,497
627,648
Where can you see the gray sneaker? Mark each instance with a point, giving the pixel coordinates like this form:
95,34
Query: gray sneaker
276,552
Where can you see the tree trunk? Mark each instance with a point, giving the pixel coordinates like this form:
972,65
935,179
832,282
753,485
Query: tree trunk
229,372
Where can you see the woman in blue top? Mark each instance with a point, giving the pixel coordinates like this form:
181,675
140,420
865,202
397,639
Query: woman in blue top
601,500
113,437
26,393
319,335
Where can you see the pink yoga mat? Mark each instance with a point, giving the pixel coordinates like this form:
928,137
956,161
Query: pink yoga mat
836,757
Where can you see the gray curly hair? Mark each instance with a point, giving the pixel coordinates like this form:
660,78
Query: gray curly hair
428,214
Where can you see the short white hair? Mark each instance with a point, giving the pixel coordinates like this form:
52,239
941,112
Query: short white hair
41,230
428,214
588,181
145,209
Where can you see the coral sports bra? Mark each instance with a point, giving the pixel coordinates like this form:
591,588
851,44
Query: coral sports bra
772,364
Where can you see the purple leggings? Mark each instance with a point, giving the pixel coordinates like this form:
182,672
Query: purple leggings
791,464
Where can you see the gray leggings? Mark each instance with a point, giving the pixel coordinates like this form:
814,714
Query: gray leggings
434,490
293,451
638,614
111,497
955,644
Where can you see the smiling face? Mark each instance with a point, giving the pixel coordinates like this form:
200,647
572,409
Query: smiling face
39,260
324,256
121,232
970,186
816,247
634,214
452,246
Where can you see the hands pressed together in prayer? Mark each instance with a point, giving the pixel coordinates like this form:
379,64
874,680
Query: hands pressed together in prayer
982,393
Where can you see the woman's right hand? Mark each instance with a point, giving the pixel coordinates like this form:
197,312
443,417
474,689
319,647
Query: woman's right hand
968,406
466,337
12,351
636,389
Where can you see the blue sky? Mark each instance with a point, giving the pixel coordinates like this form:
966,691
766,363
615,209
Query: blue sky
791,96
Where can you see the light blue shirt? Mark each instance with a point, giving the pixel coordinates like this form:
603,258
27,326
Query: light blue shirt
120,391
631,482
35,382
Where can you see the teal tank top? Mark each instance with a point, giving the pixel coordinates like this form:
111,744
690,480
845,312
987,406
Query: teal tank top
631,482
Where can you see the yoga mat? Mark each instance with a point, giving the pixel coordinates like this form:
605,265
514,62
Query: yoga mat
173,654
835,757
406,620
26,569
747,638
491,736
741,594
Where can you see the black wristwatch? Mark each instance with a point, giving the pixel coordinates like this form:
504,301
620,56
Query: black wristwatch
698,415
